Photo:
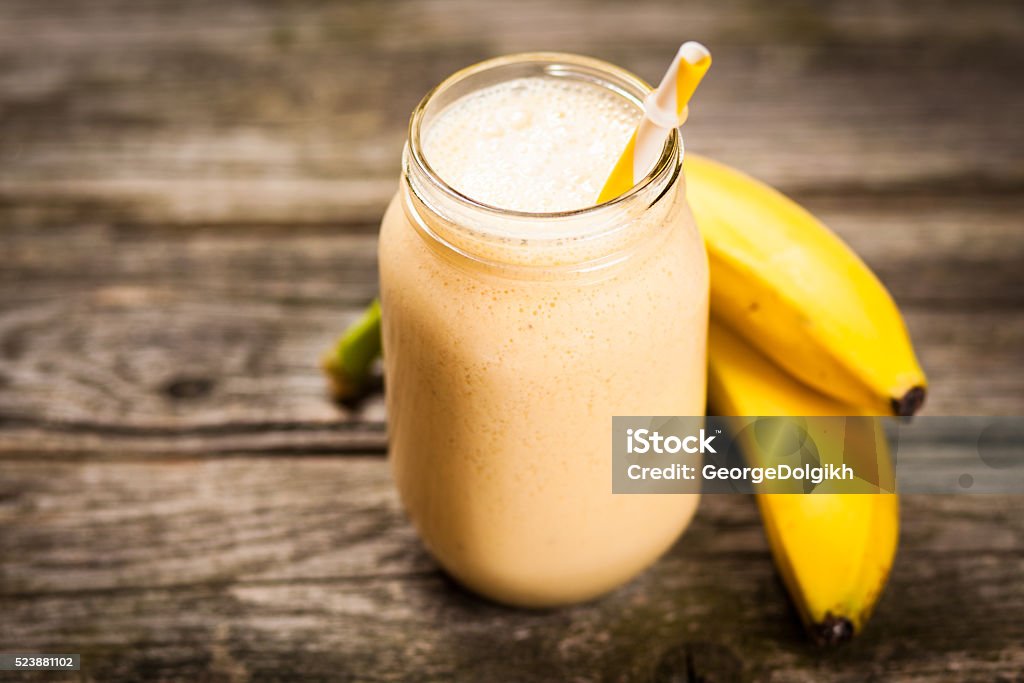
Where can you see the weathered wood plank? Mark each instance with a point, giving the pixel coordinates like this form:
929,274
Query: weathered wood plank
118,339
227,378
166,522
118,366
286,567
176,392
256,111
231,325
940,253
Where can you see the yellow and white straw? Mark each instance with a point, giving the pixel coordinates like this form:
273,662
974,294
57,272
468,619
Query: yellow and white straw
664,110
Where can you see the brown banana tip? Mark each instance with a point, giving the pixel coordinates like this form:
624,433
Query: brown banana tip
909,403
339,383
343,388
832,630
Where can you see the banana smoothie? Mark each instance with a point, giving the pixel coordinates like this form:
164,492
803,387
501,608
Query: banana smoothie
518,318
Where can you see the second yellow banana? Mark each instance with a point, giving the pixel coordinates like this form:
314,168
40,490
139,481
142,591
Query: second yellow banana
833,550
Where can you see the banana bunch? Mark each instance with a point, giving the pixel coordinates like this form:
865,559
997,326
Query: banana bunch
800,327
785,288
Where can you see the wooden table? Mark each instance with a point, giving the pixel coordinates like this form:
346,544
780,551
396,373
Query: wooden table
189,198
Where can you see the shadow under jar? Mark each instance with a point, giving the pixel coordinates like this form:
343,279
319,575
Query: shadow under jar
512,338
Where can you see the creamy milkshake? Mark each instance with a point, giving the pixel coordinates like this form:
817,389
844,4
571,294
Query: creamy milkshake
519,318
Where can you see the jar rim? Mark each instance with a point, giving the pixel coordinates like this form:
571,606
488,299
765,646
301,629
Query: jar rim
556,64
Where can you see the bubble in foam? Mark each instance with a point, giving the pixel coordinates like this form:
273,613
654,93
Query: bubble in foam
536,144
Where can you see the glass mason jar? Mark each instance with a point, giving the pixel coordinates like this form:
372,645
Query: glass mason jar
510,341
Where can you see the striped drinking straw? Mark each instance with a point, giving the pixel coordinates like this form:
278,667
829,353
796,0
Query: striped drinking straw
664,110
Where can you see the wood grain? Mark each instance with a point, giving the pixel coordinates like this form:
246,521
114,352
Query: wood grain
268,569
251,111
179,339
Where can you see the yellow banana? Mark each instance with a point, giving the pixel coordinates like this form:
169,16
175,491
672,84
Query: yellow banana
833,550
791,287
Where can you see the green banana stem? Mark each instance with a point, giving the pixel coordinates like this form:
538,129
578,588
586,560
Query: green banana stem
348,364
